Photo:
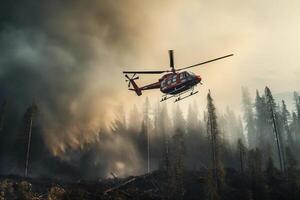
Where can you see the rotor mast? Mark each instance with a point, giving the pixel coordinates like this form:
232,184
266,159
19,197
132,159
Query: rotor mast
171,56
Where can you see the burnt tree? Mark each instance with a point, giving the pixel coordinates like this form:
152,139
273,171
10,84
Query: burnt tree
28,122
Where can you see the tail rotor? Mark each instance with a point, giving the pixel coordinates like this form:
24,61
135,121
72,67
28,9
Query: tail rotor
129,80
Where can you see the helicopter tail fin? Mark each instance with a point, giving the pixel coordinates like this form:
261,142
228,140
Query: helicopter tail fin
135,88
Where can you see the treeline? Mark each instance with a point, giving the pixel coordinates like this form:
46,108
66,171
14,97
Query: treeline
216,142
142,141
261,146
270,127
269,137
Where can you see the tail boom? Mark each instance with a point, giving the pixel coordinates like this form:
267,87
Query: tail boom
137,90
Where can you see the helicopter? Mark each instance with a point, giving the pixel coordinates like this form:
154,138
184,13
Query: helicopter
176,83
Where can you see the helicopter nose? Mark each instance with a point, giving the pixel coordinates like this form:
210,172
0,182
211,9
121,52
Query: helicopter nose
198,78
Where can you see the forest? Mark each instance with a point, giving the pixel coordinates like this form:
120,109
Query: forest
253,156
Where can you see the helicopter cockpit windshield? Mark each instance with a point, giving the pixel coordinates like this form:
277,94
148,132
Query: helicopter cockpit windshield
191,74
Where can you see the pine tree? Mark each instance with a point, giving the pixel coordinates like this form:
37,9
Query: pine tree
213,132
296,117
249,118
297,104
285,115
294,128
178,119
146,111
142,142
273,180
134,119
292,176
192,119
264,136
232,127
157,118
211,190
177,186
256,175
242,155
273,118
164,126
146,119
118,126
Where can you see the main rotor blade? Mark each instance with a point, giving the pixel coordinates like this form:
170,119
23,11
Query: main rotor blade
205,62
145,72
171,56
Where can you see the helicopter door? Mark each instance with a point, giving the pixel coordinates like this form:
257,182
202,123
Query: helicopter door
169,82
189,76
174,80
163,84
182,77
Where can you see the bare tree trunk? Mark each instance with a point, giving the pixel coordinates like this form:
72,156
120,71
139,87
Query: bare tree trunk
28,147
275,128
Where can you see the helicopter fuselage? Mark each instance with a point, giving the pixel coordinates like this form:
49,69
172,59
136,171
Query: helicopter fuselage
174,83
179,82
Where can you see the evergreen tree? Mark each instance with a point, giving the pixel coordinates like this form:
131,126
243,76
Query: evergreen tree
192,119
285,115
242,155
177,186
256,177
134,119
273,181
297,104
118,126
232,127
273,119
296,117
213,132
157,118
264,135
146,120
164,127
293,183
294,127
178,119
142,142
249,118
146,112
211,190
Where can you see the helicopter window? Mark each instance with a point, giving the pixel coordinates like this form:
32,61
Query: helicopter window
191,73
174,78
182,75
190,76
163,83
169,81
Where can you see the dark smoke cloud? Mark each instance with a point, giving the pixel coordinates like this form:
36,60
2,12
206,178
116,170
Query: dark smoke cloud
61,54
66,57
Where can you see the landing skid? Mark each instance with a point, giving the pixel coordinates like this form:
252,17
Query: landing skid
184,97
180,96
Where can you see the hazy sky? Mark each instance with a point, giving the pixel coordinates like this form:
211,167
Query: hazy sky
68,56
263,35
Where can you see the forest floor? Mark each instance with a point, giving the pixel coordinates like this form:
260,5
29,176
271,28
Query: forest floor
154,185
